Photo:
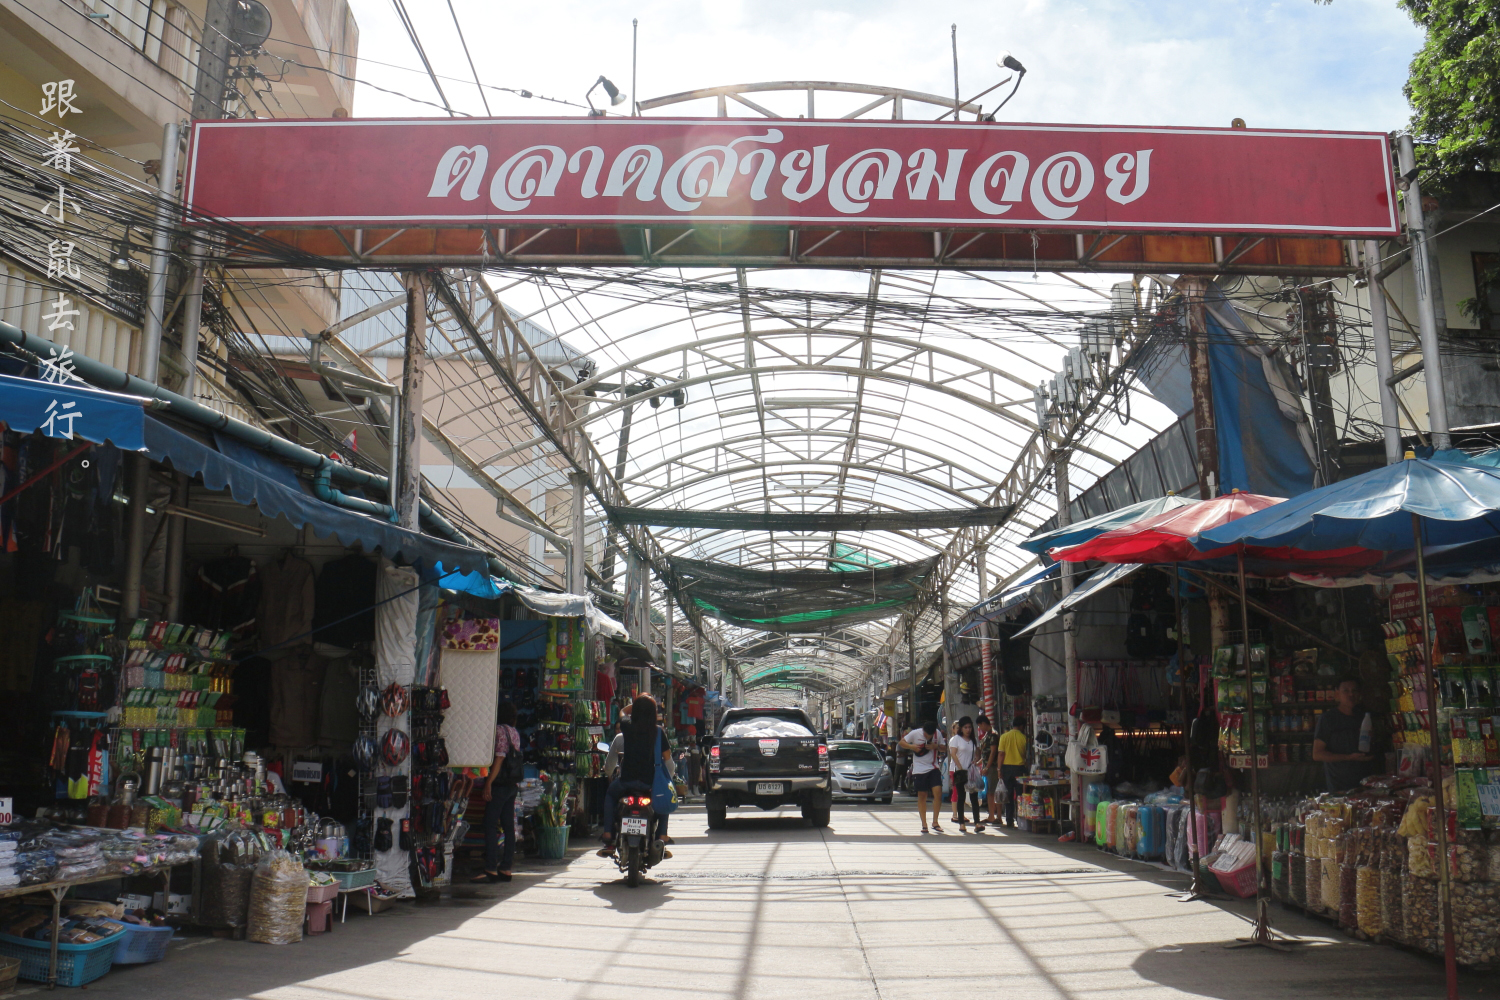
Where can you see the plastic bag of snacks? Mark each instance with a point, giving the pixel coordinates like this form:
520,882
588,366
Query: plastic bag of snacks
227,869
1392,923
1329,872
1424,923
1314,884
1476,922
1297,880
1368,917
1348,896
278,899
1419,858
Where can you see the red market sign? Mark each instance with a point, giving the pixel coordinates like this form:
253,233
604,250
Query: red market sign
848,174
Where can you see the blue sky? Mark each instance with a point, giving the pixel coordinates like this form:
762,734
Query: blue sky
1291,63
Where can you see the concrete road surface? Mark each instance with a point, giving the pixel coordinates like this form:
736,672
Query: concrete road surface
770,909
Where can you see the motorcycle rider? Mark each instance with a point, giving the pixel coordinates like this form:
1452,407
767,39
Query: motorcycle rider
633,750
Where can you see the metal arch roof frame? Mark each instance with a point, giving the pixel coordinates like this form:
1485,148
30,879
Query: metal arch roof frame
792,556
895,96
890,445
765,336
756,545
995,406
770,642
830,671
782,464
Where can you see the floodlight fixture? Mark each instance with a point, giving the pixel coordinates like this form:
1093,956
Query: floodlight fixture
1007,61
616,97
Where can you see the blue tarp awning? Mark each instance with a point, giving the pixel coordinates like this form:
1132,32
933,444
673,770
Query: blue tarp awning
277,499
69,412
479,584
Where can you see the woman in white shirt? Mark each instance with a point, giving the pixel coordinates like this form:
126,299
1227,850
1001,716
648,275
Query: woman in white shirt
960,760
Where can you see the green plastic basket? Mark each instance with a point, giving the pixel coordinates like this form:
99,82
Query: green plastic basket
552,841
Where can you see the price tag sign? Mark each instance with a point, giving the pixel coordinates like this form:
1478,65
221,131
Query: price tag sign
596,730
307,770
7,812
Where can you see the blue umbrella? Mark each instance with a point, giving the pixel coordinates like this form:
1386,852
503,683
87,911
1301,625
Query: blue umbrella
1457,503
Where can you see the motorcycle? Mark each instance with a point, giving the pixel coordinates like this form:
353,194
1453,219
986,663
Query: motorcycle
636,851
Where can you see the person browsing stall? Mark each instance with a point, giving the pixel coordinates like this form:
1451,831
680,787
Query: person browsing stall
1011,751
500,788
1336,741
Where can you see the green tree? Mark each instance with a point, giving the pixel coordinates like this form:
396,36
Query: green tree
1454,85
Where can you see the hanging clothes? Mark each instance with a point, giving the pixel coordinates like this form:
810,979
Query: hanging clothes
287,600
346,587
227,595
296,698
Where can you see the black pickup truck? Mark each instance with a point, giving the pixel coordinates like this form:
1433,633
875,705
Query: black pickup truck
768,757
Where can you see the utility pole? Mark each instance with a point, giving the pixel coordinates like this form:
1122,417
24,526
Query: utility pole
1069,636
413,373
577,567
208,102
950,676
1385,368
213,60
1320,359
1422,271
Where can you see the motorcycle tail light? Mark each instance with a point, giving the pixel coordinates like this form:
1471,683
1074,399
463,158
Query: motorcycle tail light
822,756
713,759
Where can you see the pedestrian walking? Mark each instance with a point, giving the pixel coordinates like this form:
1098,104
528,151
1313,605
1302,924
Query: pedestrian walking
500,788
926,774
960,762
989,766
1012,749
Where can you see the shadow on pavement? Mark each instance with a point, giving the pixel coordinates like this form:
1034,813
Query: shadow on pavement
1311,970
650,894
202,967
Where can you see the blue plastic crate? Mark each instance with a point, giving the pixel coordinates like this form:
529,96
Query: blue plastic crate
77,964
139,945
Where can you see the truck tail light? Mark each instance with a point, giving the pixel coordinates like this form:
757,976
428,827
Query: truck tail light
713,759
822,756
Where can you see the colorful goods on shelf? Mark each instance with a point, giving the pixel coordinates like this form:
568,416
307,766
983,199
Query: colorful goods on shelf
566,640
176,677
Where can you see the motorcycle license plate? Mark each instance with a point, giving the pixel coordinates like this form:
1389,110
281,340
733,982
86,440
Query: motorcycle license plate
768,787
633,825
858,786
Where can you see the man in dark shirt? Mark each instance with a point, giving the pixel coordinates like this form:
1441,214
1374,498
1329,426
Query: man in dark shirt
1336,740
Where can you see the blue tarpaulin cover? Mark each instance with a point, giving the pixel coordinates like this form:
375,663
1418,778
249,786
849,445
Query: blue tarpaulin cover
56,410
276,499
1260,450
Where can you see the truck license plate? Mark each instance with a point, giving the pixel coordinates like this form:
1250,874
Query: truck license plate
633,825
768,787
